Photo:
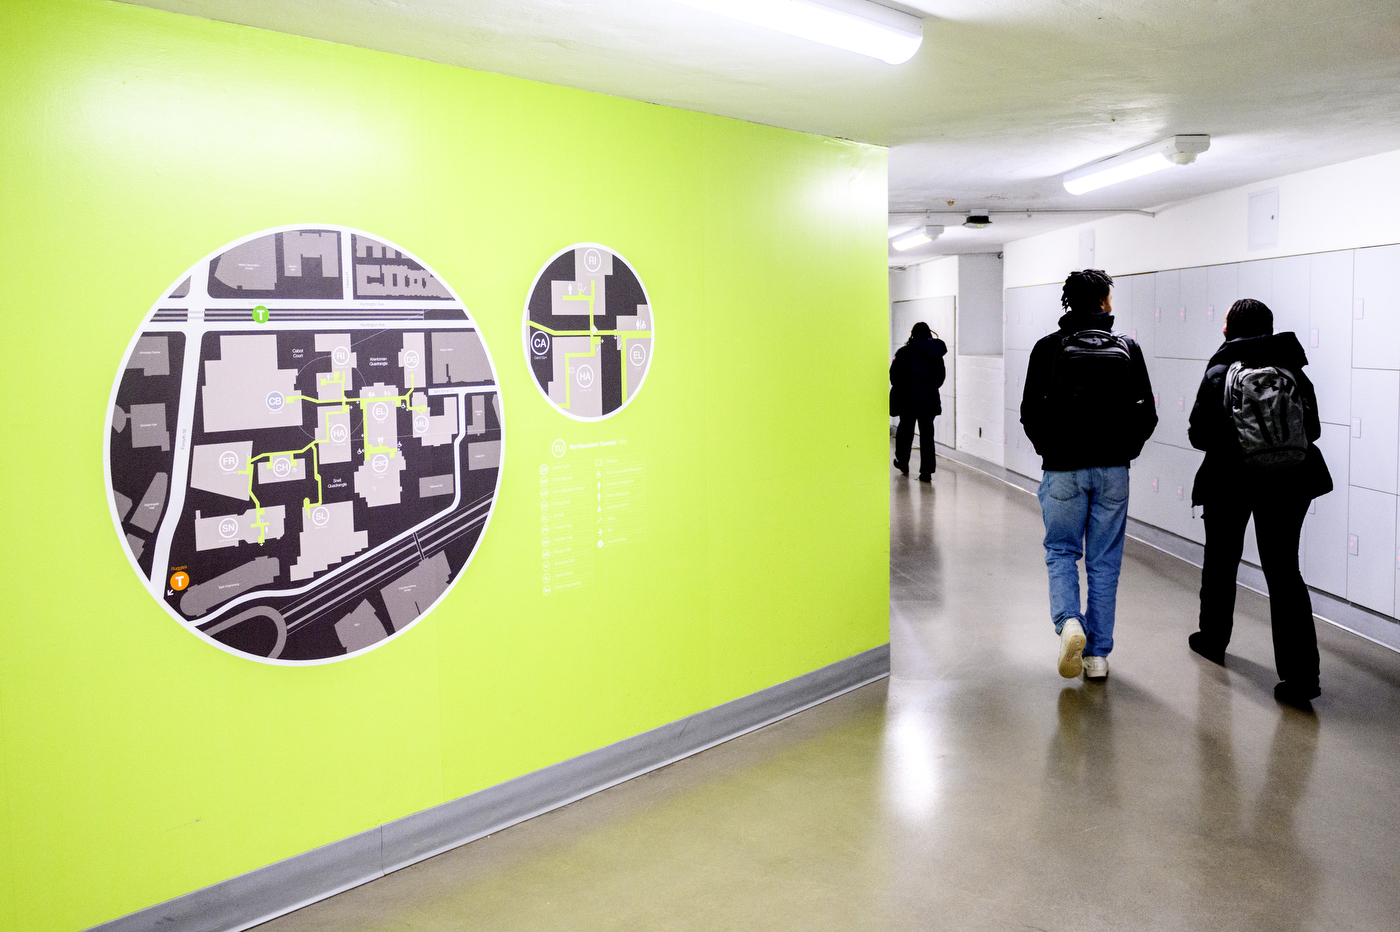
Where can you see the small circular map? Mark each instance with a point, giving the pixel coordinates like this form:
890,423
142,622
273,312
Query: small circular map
588,332
304,444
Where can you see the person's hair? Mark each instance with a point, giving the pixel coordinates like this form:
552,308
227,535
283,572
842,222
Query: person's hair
1085,290
1248,318
920,331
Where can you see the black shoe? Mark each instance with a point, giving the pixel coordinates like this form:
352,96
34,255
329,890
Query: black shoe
902,468
926,478
1200,645
1296,694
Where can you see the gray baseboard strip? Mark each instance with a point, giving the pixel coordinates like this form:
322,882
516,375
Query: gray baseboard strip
268,892
1360,621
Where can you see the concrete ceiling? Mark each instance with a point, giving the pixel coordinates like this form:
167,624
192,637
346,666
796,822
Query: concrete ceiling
1001,100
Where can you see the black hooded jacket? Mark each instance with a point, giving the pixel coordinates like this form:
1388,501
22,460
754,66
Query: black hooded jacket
915,377
1072,439
1222,474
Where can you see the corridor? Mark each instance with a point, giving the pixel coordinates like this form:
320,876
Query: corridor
976,789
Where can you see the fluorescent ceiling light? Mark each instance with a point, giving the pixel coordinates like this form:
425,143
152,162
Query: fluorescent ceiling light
855,25
916,237
1174,150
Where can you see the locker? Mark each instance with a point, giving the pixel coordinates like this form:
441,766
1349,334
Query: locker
1145,313
1190,314
1329,313
1047,311
1222,290
1290,303
1325,530
1376,309
1371,550
1155,369
1168,328
1179,517
1176,394
1015,363
1375,413
1256,280
1144,483
1016,300
1123,304
1194,299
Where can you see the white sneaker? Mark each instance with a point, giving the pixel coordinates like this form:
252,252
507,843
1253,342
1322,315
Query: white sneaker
1071,648
1096,668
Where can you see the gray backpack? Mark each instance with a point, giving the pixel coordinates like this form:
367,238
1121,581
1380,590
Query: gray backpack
1270,420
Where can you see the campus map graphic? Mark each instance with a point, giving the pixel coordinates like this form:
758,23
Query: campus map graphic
588,332
304,445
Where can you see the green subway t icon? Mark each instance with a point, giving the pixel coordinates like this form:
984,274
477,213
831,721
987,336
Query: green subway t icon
261,314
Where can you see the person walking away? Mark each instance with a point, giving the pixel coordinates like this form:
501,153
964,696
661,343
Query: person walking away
1256,419
1087,409
916,375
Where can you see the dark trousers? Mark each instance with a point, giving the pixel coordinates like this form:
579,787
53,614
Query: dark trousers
1277,526
904,441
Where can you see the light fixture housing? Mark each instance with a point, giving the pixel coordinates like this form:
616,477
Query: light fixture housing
1174,150
916,237
978,219
855,25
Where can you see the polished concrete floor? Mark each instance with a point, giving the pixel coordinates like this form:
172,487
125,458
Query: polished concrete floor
976,789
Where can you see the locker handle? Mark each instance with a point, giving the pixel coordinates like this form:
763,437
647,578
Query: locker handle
1356,427
1312,337
1353,545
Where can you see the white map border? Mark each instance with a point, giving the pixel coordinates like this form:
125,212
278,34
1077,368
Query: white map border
181,445
525,334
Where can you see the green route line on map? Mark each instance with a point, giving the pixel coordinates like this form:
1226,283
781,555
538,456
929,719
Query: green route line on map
370,449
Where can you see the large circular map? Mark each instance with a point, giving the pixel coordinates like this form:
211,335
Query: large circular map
304,444
588,332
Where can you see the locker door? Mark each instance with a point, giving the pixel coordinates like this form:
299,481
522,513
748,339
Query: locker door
1015,363
1145,313
1325,546
1167,330
1371,550
1046,313
1175,396
1256,280
1181,519
1016,301
1123,305
1376,309
1195,297
1329,313
1375,410
1144,486
1222,290
1290,304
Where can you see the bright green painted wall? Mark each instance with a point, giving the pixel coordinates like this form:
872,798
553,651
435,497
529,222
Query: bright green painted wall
138,763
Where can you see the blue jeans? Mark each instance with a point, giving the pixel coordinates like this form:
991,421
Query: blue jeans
1086,513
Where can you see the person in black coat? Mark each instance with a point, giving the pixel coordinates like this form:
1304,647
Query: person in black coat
916,375
1229,491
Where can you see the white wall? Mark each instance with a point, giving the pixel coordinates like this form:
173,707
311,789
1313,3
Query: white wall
979,304
961,298
979,397
1340,293
1341,206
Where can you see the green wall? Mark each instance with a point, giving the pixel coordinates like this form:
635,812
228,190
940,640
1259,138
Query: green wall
138,763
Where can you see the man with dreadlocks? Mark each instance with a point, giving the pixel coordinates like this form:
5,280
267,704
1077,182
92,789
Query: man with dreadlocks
1088,410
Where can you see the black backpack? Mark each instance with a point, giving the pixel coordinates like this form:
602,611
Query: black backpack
1093,371
1268,412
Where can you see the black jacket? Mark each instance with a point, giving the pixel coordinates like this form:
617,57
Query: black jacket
1069,439
915,377
1222,474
